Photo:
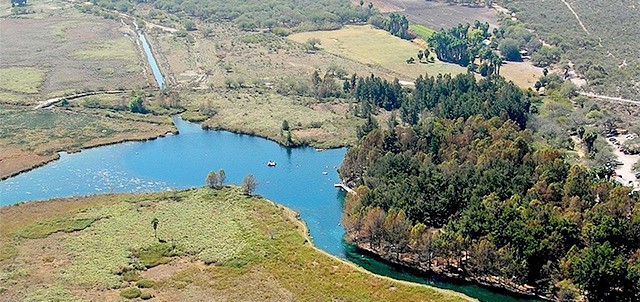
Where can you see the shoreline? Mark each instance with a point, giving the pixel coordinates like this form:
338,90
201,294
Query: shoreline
175,131
483,281
293,216
56,156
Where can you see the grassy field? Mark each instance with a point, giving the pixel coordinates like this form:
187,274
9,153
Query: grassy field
216,245
322,125
422,31
21,79
30,137
376,47
116,49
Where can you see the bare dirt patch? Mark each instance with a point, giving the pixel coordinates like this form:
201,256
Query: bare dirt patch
382,5
523,74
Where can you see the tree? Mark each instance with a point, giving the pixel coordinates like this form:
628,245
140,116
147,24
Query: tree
361,3
136,106
285,125
222,176
599,270
249,184
426,53
510,50
212,179
589,139
154,224
420,55
373,226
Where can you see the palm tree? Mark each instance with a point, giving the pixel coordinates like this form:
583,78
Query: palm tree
154,224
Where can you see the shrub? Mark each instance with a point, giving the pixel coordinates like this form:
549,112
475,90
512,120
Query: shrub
157,254
146,296
145,283
131,293
129,276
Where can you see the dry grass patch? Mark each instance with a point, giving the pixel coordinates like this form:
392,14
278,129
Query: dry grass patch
116,49
523,74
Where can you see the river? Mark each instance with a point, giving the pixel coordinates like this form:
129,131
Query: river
302,180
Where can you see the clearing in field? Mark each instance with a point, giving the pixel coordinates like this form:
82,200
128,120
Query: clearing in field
523,74
210,243
377,47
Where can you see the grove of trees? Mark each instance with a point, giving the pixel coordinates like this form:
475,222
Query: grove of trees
459,185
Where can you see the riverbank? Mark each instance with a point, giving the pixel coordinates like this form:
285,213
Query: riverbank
408,262
294,217
212,243
35,137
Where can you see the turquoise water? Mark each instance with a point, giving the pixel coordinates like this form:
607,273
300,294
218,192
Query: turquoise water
182,161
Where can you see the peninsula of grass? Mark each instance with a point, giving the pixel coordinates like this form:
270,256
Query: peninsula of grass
210,243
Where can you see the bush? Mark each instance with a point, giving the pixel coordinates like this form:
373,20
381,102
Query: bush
129,276
145,283
146,296
131,293
509,49
157,254
136,106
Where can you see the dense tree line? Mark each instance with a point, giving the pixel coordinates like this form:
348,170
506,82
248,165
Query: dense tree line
472,194
443,96
253,14
396,24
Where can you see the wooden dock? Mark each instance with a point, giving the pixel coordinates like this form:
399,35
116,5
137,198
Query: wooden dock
345,187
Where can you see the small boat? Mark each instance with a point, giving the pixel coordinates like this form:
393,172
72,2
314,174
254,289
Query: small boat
271,163
325,172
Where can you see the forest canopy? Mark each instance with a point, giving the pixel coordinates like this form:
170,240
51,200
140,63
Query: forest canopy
458,185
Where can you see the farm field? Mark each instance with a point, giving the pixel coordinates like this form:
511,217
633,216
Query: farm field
606,53
376,47
30,137
65,51
210,243
437,15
